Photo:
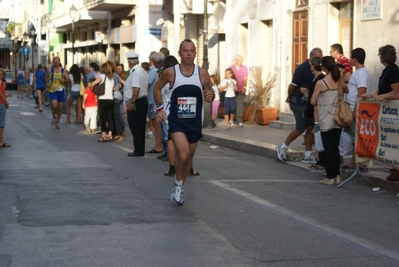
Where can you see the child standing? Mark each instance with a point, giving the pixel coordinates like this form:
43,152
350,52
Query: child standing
90,106
229,85
216,102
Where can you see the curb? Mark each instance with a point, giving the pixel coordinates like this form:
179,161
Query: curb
269,150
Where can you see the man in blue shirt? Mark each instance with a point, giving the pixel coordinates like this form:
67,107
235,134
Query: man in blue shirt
297,98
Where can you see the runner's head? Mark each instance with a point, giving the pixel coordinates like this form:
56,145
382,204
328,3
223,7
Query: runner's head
187,52
56,62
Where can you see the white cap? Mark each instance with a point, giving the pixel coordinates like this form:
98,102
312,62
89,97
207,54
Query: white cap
131,54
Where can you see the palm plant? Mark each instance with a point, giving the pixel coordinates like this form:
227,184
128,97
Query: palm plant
260,89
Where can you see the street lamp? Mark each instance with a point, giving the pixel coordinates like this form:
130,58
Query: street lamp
32,35
49,26
73,12
205,64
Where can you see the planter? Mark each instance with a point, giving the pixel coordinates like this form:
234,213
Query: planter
247,113
265,115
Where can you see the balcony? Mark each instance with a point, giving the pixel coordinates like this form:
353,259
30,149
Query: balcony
109,5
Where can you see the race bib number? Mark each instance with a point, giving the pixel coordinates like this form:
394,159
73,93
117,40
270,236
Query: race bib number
186,107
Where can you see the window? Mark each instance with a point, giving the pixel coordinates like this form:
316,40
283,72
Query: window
301,3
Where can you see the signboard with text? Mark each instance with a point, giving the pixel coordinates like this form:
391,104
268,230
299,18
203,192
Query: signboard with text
371,9
377,132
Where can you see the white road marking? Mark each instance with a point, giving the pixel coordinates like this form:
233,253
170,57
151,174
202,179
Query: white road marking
257,180
351,238
28,113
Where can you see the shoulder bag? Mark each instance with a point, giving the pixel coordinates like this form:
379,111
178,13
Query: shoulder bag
343,114
99,89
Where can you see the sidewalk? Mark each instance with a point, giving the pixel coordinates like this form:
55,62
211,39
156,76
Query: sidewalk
262,140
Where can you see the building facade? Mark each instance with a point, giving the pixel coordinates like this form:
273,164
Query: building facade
276,35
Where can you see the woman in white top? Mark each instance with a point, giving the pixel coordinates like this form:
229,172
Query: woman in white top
75,78
105,102
229,84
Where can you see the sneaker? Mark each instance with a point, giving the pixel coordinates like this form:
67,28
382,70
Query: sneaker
231,124
57,125
53,121
281,153
309,160
150,135
66,122
241,124
177,196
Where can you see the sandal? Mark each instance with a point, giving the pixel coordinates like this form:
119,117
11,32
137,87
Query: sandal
5,145
316,167
118,138
103,139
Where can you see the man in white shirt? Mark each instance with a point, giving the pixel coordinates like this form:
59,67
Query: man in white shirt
135,98
358,83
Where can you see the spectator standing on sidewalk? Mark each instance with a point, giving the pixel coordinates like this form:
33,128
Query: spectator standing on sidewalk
241,74
135,98
216,102
3,107
337,52
105,102
156,60
388,86
21,82
302,80
229,85
325,96
311,111
75,77
90,106
190,87
358,83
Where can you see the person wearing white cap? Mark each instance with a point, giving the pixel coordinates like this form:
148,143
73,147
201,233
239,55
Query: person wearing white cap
135,98
190,87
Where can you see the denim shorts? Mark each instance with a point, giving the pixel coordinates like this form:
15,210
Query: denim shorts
74,95
301,120
59,96
2,115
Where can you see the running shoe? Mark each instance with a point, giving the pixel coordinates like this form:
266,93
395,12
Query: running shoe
309,160
281,153
177,196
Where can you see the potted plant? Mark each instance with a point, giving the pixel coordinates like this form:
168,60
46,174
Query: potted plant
260,96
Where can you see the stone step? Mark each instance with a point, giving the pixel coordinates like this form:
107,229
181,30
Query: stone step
282,125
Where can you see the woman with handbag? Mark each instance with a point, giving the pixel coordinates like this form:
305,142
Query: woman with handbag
105,102
325,96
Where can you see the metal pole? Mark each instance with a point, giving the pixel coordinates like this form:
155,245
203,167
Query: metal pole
205,64
73,41
48,45
207,107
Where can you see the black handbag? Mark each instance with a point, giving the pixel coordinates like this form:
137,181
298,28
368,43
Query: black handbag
99,89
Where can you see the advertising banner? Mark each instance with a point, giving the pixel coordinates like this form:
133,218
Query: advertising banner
377,131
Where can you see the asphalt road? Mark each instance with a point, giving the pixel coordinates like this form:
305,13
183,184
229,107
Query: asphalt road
67,200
